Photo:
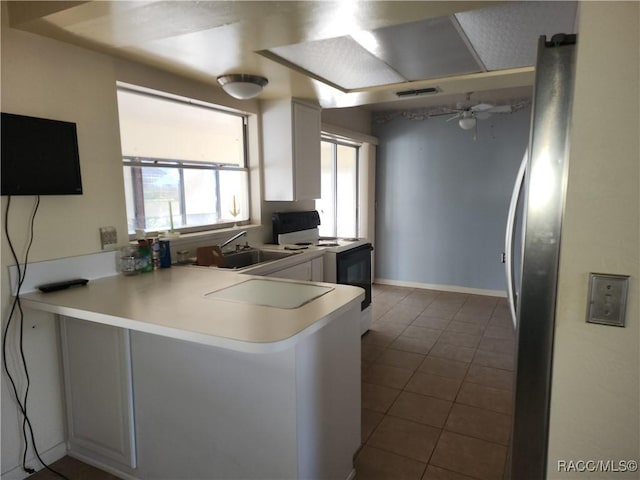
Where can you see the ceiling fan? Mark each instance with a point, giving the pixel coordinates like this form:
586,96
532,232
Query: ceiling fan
468,115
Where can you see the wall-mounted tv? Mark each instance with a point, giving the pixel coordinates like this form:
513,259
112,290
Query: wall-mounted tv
39,156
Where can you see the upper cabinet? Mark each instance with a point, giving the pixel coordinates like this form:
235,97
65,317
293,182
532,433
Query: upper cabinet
291,150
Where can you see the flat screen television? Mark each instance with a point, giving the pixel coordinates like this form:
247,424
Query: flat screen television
39,156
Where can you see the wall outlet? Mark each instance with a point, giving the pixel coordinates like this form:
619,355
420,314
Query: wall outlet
108,238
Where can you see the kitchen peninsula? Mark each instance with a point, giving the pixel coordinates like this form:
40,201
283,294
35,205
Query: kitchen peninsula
186,373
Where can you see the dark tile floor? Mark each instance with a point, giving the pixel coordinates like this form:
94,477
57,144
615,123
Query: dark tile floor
72,469
437,379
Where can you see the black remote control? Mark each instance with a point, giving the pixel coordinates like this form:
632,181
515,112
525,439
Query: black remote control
54,287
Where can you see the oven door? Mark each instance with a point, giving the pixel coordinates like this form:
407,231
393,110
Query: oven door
353,267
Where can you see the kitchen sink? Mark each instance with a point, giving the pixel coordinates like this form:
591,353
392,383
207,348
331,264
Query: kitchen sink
246,258
252,256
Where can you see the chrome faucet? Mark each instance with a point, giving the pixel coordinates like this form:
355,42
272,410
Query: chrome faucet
235,237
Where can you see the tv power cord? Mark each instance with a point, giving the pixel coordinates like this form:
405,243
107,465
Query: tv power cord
17,305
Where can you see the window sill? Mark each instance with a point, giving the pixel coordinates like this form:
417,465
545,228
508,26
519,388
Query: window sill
190,241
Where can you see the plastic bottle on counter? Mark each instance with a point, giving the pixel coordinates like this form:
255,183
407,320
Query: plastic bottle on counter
155,253
146,262
165,252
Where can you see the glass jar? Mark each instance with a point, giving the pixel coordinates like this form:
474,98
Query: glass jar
129,260
183,257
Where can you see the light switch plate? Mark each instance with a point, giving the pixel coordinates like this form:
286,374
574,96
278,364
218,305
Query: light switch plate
607,299
108,238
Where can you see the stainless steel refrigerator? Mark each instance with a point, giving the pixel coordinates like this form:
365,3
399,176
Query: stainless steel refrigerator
532,254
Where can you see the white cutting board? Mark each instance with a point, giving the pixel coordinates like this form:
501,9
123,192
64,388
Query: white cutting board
270,293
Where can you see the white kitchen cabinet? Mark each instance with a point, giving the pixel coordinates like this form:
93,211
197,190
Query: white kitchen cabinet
311,271
291,150
213,413
99,391
317,270
302,271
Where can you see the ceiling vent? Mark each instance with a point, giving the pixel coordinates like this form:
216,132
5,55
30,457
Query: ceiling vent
418,92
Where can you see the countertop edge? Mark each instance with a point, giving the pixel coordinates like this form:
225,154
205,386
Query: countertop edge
190,336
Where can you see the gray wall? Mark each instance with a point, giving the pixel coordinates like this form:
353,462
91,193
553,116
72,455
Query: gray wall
442,199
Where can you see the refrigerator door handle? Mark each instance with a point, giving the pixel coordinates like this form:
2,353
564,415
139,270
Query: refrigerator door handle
509,239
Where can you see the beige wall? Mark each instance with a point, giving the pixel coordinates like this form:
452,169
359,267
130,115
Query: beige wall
595,392
595,401
49,79
42,77
357,119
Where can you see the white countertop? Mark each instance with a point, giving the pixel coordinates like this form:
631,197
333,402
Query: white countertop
172,302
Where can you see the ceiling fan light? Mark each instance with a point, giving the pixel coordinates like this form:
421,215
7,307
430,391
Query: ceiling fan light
467,123
242,86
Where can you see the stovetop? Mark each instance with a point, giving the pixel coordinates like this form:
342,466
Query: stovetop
329,242
299,231
311,240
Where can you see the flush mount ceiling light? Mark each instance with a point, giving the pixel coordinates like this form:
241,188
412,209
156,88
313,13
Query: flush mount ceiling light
242,86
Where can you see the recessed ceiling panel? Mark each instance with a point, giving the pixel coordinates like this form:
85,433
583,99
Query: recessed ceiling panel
427,49
507,36
341,61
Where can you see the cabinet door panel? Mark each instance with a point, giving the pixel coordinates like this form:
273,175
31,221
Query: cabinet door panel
291,150
98,387
306,149
301,271
317,270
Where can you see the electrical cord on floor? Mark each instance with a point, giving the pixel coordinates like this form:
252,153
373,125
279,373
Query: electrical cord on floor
27,428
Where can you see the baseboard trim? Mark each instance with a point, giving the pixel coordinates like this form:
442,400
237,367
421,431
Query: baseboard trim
443,288
49,456
102,466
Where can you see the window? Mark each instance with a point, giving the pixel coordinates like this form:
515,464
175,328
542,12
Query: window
338,205
184,163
